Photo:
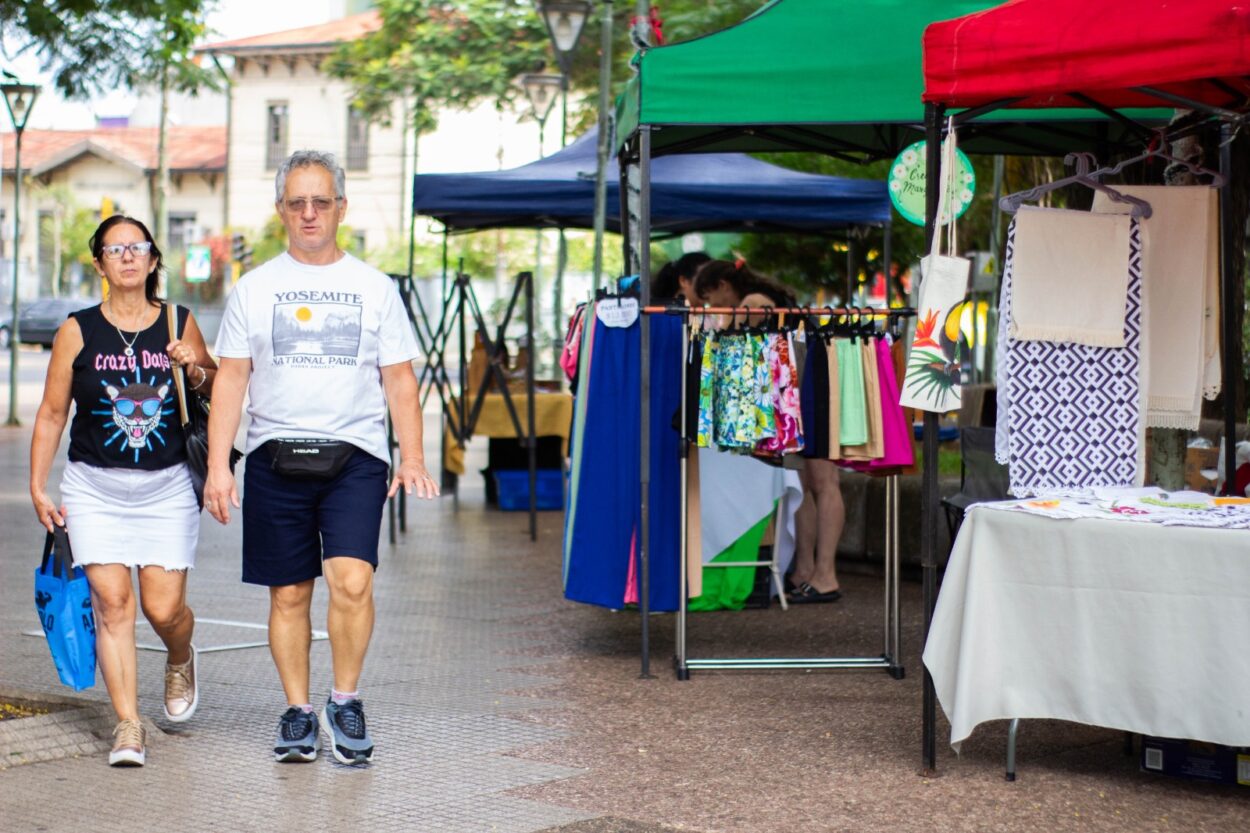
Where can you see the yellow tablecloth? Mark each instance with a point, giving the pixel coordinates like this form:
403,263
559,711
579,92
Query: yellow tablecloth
553,417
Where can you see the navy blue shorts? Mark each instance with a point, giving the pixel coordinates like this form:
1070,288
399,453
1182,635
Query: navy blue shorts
288,524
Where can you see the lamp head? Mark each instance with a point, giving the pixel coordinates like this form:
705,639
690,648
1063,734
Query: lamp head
542,90
565,20
19,98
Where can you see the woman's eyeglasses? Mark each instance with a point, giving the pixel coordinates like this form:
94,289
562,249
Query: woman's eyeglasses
319,204
116,250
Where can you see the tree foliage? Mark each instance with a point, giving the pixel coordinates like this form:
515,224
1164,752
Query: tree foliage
435,54
96,46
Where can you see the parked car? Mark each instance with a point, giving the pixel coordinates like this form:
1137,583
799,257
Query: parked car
39,320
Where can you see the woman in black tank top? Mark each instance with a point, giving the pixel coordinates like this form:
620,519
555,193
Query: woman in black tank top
127,499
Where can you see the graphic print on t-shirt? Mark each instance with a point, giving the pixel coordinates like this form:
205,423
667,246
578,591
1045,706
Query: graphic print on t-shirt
316,333
137,410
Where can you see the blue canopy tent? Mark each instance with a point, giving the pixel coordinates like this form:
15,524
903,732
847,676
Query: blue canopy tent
707,192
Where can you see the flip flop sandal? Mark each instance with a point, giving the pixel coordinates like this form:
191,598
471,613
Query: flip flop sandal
806,594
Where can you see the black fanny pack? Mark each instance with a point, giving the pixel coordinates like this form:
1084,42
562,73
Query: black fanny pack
309,459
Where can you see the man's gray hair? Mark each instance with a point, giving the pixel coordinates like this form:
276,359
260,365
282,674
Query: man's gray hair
304,158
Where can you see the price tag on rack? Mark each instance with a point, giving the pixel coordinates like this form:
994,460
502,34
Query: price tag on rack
617,312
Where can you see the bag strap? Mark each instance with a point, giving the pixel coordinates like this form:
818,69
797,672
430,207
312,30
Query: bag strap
180,379
58,558
946,173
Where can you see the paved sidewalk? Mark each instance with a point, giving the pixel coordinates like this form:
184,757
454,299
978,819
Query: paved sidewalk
445,677
498,706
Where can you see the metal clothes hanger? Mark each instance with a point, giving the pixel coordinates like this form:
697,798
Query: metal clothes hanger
1084,176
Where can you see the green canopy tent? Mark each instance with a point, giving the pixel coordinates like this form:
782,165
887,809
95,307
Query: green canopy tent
838,78
843,79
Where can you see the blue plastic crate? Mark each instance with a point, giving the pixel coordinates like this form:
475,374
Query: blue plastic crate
512,487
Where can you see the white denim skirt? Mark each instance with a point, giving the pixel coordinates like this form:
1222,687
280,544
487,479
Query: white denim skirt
132,517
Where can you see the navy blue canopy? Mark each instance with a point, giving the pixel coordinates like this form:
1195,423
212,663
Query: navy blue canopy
700,192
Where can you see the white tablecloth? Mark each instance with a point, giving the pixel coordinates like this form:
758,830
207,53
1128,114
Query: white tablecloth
1143,628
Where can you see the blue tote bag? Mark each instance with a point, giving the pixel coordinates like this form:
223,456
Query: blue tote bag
63,601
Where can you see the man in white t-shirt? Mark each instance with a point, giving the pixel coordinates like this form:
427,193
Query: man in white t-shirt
321,344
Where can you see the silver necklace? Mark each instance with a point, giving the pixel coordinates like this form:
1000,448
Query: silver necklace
130,345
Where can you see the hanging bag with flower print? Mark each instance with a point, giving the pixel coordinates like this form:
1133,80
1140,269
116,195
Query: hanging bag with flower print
933,375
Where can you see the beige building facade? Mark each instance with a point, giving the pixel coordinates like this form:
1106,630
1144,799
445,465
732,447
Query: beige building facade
110,170
280,101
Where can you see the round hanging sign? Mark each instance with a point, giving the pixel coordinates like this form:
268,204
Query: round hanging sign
906,184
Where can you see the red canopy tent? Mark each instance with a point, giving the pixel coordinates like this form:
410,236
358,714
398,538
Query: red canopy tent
1103,54
1065,53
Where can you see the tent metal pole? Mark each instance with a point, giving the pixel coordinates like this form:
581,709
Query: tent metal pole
605,139
683,672
887,256
644,288
557,309
624,200
929,481
1228,238
531,442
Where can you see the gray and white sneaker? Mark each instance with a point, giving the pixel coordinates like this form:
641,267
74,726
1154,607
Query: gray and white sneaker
345,727
299,736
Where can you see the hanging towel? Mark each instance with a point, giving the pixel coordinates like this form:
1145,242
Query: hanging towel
896,433
853,407
1074,411
833,400
874,447
1180,280
1071,277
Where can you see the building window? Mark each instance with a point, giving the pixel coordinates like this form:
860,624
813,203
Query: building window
275,135
357,140
181,230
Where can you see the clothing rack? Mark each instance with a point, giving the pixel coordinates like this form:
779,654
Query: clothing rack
888,660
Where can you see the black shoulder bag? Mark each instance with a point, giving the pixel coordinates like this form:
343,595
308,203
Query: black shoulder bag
193,409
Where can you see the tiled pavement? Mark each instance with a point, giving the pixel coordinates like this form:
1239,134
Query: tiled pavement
445,672
498,706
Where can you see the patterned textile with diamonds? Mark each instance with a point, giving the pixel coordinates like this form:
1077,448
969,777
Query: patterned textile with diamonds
1070,415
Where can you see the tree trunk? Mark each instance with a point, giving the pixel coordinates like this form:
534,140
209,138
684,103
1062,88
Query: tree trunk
161,207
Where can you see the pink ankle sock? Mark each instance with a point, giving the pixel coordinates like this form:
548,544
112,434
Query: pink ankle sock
341,697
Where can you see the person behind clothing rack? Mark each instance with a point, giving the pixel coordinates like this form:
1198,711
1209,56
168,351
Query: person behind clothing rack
676,278
724,283
822,514
126,493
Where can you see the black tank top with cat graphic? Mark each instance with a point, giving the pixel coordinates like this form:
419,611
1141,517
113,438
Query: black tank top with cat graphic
125,404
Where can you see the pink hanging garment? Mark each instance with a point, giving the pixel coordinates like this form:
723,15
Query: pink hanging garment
572,343
898,447
631,580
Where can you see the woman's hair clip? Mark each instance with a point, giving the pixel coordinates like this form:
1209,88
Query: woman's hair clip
740,262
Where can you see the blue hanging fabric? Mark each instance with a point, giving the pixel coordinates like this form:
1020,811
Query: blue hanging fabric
63,602
604,516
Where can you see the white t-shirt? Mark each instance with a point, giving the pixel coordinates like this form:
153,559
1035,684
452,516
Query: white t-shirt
317,337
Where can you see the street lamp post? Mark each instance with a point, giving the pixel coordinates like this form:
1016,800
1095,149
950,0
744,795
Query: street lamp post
540,89
19,98
565,20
